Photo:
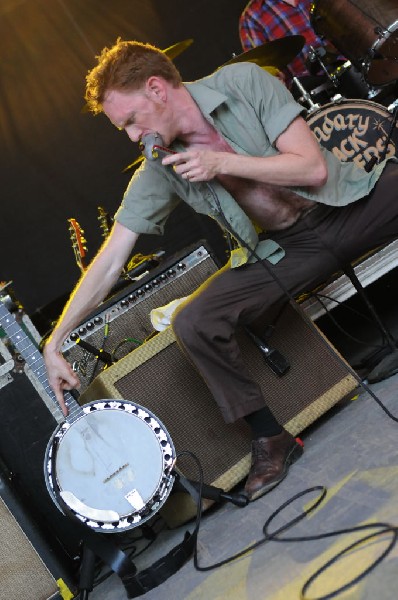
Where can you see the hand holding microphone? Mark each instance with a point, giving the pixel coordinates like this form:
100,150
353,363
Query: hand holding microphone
152,146
193,165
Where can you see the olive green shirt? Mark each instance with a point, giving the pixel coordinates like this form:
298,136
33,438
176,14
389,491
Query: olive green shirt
250,108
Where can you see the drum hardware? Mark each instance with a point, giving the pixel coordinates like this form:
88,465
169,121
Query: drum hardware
327,91
305,96
391,107
364,31
316,55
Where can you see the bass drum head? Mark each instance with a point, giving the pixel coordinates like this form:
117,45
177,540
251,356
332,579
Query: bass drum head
112,466
354,130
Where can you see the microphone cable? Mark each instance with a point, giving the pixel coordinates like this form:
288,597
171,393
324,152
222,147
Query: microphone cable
371,531
149,147
294,304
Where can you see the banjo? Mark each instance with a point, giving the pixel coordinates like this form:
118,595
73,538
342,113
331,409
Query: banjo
109,463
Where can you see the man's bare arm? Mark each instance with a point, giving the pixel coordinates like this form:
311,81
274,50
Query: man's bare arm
299,162
95,284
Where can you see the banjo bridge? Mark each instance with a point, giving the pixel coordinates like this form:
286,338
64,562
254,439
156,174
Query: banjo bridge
115,472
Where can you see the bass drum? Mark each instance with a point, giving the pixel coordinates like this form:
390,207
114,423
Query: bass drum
365,31
354,130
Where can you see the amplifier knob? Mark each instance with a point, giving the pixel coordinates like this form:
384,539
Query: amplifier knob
155,282
163,277
82,330
97,320
132,297
147,287
171,272
181,266
124,302
140,292
74,336
90,325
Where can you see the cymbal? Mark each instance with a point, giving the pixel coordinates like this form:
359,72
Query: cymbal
277,53
176,49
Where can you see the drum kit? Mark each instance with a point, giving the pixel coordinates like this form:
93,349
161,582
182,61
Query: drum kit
353,111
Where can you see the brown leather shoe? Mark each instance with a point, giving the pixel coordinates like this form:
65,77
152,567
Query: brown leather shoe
271,458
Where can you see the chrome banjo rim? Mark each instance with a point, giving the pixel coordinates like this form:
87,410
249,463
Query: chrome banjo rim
152,505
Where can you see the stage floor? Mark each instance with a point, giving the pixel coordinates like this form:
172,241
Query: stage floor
353,452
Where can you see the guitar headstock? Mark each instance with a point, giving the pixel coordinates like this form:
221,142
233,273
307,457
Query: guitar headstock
78,243
105,221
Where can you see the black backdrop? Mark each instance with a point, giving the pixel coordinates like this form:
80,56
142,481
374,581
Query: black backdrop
59,162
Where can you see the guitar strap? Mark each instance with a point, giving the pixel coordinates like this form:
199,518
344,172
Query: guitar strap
135,583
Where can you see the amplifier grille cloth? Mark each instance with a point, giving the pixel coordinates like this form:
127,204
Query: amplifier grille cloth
23,574
135,322
184,399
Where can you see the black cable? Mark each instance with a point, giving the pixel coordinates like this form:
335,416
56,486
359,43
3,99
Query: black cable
385,528
95,372
381,529
319,297
294,304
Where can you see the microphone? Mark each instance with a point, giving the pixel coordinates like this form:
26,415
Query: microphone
152,146
97,352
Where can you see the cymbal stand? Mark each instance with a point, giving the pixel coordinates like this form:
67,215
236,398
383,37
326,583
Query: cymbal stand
305,96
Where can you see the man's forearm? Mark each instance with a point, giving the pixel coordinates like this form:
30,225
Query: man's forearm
95,284
88,294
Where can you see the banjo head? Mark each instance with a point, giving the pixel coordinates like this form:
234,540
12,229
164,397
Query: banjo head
112,467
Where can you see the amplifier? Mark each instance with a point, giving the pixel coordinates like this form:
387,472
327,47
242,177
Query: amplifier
123,321
158,376
26,425
29,567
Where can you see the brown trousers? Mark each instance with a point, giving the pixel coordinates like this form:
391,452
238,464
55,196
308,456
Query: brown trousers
205,326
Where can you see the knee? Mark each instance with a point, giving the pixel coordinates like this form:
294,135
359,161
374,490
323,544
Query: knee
187,319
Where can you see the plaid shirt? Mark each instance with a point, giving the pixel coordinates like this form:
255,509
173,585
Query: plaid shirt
266,20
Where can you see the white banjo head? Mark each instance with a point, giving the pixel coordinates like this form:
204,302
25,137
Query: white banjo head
112,467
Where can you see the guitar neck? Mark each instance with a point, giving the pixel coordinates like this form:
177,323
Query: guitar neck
33,358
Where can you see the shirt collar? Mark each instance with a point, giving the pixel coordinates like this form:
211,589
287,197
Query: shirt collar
206,98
